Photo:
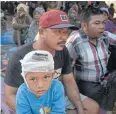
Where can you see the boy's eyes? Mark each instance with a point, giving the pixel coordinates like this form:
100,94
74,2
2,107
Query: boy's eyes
47,77
97,22
33,79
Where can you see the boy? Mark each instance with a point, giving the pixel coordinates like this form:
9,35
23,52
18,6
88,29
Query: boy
40,94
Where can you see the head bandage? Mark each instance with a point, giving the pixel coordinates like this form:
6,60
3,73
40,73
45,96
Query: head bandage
37,61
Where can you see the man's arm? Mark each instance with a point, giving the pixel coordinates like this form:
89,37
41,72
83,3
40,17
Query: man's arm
10,96
73,92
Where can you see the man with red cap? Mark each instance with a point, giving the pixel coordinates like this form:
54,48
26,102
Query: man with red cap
53,32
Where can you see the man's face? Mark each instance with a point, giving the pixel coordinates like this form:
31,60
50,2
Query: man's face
39,82
55,39
95,27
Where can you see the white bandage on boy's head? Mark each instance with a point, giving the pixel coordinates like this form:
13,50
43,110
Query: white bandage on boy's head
37,61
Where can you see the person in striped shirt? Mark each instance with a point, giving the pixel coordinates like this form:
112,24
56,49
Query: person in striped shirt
88,49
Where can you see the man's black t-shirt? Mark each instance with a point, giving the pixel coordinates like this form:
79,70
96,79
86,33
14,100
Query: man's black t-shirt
13,76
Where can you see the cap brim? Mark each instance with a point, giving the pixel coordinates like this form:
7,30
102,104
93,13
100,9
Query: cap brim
64,26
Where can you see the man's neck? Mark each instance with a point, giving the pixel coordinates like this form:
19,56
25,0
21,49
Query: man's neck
93,40
38,45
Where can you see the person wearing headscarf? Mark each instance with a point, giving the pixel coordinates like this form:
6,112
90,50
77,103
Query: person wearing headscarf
34,27
21,23
74,16
109,26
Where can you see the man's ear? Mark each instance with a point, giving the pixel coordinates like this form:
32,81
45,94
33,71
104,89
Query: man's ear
41,32
84,27
53,74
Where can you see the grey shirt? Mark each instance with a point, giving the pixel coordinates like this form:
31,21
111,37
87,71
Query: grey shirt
13,76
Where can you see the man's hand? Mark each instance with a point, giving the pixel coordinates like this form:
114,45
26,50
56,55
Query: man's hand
73,92
80,108
10,96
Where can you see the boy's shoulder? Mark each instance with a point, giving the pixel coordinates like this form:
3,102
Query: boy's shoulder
22,87
56,84
22,90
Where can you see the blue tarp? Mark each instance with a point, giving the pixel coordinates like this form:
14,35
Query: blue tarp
7,38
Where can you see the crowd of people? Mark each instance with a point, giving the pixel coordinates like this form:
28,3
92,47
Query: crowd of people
61,65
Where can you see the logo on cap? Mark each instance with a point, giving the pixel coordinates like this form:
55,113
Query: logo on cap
64,18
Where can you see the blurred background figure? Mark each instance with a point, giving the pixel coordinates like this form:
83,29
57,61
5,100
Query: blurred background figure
21,24
109,25
111,10
97,4
74,15
34,27
52,5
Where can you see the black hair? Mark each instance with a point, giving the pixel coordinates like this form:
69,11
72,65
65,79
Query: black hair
105,12
88,12
111,4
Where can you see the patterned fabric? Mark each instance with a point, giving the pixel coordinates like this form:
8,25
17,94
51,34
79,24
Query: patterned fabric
24,31
89,61
32,32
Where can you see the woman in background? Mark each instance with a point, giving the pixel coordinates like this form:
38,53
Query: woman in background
34,27
21,23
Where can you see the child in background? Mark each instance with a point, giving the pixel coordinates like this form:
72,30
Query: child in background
40,94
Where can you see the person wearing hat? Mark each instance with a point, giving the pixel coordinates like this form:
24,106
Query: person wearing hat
33,29
53,32
39,92
21,23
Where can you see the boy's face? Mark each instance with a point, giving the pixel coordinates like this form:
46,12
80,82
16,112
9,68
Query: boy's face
39,82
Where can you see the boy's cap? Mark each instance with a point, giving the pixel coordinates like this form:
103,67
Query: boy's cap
55,19
37,61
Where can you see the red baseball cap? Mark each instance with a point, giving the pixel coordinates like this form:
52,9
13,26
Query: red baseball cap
55,19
